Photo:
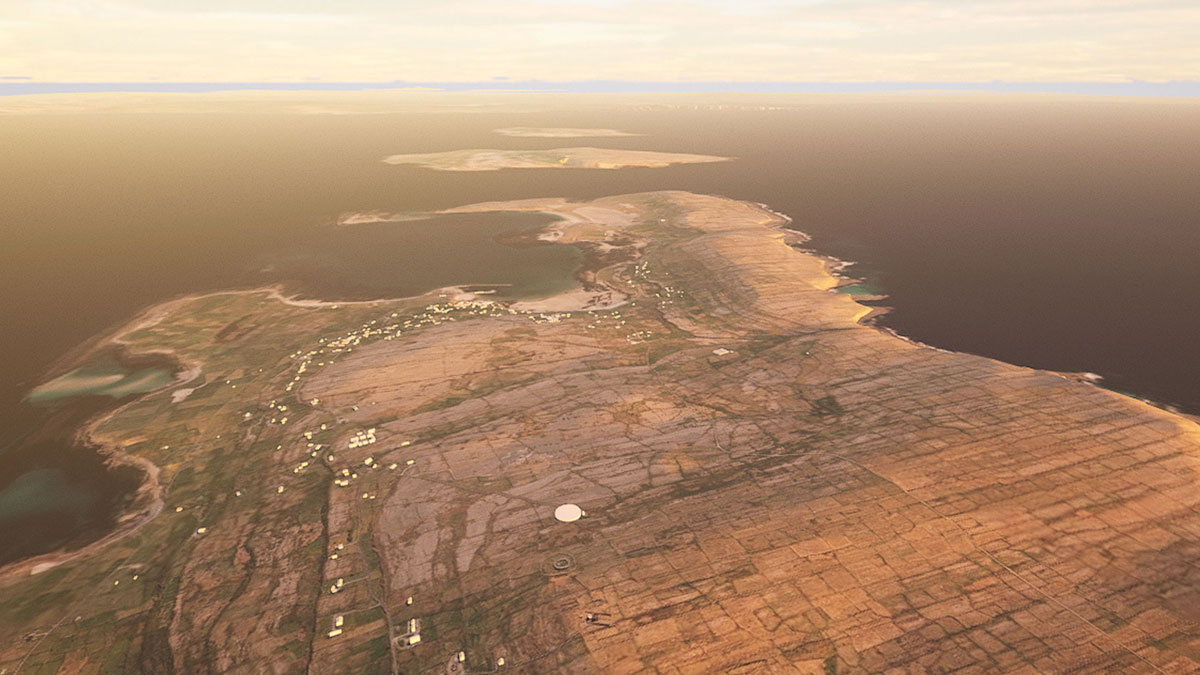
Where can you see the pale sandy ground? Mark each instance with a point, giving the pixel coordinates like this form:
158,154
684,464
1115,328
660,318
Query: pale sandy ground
368,217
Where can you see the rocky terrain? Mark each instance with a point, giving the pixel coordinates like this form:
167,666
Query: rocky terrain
769,486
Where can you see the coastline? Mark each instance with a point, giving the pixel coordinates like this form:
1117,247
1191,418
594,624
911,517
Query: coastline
835,266
755,282
145,504
800,394
147,500
488,159
562,132
799,241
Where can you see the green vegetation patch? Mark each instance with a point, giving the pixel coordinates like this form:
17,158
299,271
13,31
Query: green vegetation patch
442,403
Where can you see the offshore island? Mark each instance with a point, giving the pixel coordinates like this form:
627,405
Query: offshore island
561,132
564,158
756,482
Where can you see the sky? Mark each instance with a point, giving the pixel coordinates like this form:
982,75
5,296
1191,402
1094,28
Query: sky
573,40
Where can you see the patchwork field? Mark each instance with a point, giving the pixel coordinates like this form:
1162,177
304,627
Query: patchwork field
769,485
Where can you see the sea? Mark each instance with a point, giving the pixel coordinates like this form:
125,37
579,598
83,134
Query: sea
1052,232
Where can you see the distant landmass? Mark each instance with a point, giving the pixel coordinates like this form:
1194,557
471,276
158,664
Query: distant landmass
560,158
561,132
1129,88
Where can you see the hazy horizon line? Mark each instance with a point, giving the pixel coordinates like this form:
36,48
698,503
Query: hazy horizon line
20,85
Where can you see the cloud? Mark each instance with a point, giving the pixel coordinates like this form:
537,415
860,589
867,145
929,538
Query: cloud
814,40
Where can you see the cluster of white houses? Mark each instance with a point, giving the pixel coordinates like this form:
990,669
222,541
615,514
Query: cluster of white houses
326,353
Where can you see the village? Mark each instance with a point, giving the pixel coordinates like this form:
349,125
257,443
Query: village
726,460
332,445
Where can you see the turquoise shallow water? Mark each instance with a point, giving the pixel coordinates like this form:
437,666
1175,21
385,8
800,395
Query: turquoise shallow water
861,288
1055,234
103,377
43,492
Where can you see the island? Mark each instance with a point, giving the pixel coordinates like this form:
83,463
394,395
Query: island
560,158
372,217
561,132
702,462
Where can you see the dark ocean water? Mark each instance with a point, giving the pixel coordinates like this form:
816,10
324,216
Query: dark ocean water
1055,234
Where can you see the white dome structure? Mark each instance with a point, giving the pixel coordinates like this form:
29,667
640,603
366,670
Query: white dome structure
568,513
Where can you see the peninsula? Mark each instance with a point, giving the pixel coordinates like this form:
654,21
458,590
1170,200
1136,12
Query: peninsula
755,482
